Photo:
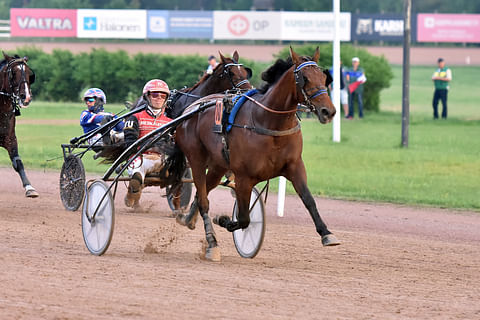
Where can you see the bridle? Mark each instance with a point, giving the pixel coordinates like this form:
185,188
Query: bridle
13,90
226,73
300,83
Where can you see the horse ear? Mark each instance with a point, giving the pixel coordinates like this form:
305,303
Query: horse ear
316,55
6,56
235,56
222,58
295,57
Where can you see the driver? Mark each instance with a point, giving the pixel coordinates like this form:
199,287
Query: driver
155,95
92,118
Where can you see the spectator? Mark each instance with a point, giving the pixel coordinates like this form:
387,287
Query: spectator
343,89
155,95
212,63
355,80
441,78
92,118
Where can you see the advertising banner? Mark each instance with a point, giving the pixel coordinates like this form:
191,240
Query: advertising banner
43,23
157,24
125,24
378,27
191,24
448,27
313,26
252,25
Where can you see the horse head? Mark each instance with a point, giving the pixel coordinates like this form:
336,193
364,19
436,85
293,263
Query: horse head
235,72
17,78
312,82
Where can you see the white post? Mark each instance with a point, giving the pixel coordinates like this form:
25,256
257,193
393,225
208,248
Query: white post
282,183
336,71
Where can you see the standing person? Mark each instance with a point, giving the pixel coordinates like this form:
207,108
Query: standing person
212,63
441,78
343,89
355,80
91,118
155,95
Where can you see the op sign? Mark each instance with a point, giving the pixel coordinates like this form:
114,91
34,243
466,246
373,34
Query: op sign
43,23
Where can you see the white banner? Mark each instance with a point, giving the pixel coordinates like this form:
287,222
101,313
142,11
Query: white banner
313,26
252,25
126,24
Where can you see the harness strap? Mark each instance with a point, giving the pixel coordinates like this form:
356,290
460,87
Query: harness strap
268,132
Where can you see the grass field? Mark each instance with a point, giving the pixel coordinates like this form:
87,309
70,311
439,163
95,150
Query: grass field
440,168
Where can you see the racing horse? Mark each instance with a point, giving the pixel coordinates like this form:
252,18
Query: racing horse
15,80
265,141
229,74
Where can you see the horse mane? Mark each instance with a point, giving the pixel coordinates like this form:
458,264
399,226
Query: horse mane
275,72
206,76
202,80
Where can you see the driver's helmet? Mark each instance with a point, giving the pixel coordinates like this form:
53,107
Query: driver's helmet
96,93
156,85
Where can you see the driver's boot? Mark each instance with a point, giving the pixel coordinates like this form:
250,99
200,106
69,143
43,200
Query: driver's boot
134,193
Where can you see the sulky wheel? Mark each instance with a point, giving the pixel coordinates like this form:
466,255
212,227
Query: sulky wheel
186,191
72,182
97,228
248,241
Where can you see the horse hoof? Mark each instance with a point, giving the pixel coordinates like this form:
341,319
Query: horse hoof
182,220
213,254
31,193
330,240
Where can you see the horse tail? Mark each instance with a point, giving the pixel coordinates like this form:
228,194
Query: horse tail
110,153
176,164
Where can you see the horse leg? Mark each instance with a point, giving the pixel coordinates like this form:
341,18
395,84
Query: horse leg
213,177
17,164
212,252
297,175
243,191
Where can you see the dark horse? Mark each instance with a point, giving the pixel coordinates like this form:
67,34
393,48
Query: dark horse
228,75
265,142
15,80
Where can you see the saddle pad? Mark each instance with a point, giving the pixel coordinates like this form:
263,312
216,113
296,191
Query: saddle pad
239,101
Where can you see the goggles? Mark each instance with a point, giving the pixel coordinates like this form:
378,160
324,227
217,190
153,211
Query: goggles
90,99
158,94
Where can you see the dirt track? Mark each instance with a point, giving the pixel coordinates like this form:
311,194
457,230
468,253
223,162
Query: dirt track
395,262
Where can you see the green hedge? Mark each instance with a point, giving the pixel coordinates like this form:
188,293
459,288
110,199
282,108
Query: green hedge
64,76
377,69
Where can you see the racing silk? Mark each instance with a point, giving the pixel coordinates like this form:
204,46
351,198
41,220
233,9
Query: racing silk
90,120
142,123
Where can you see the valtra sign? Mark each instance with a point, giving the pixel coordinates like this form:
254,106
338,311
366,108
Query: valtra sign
43,23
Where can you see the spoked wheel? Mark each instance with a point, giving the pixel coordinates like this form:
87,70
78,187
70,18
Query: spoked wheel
248,241
72,182
186,192
98,228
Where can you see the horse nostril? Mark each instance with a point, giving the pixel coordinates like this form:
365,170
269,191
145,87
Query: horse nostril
324,112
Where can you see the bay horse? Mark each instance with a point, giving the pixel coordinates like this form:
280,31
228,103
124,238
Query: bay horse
264,142
229,74
15,80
